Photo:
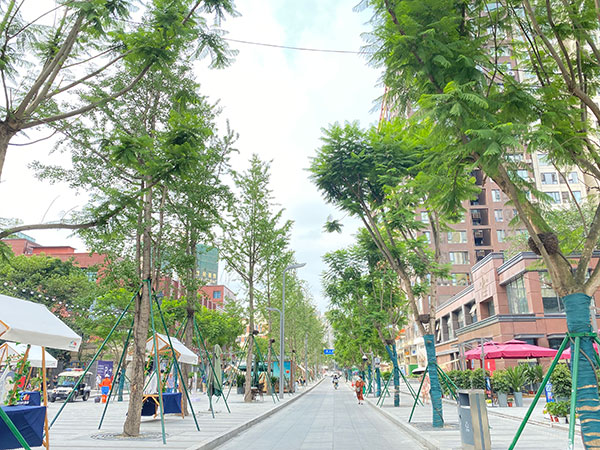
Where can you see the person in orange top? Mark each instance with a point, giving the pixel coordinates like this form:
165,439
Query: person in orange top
358,387
105,388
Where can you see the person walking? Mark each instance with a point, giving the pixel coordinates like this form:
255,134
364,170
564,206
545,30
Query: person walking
358,386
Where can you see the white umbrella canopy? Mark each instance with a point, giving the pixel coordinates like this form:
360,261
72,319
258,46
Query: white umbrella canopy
32,323
34,356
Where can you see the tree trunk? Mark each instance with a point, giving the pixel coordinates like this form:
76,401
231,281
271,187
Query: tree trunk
248,389
140,328
435,390
588,405
6,134
391,349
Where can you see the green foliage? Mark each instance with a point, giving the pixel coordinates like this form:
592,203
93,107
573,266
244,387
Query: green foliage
516,378
559,408
561,382
534,374
500,382
386,374
478,378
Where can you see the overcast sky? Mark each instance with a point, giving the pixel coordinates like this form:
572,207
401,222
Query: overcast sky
276,99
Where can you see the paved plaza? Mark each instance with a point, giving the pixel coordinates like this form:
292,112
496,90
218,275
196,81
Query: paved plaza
325,419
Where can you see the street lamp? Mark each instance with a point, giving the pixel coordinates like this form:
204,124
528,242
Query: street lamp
273,340
282,329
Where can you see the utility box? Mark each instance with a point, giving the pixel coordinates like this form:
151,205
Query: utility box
473,420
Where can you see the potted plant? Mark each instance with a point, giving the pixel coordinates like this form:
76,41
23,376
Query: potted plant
240,379
516,380
562,410
534,376
275,383
561,382
501,386
551,409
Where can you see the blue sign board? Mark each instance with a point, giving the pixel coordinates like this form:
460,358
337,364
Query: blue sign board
328,351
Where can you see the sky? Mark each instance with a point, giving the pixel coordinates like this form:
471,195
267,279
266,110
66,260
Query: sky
277,100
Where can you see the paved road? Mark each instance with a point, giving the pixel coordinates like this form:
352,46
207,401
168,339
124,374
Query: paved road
324,419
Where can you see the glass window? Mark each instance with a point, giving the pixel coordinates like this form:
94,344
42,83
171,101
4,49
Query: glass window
549,178
424,217
543,159
459,257
515,157
495,195
498,215
427,235
566,197
501,235
554,197
460,318
573,178
577,195
517,298
459,279
523,174
216,294
457,237
552,302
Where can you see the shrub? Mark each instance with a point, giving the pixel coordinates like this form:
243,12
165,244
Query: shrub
240,379
561,382
478,378
516,378
560,409
386,375
500,382
534,374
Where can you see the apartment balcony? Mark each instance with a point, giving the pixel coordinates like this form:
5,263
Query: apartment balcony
479,217
480,200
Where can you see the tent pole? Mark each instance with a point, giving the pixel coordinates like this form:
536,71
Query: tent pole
45,394
162,318
210,361
112,387
157,367
95,357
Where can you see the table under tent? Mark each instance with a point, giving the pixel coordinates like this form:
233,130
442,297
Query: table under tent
172,401
30,324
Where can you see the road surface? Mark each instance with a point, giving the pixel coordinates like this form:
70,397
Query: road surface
324,418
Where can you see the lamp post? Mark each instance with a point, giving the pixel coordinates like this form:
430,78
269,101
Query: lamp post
282,329
280,367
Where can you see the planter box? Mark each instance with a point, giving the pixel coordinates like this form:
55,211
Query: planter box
518,399
502,399
562,420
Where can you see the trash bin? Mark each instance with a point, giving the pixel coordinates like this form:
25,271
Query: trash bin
473,420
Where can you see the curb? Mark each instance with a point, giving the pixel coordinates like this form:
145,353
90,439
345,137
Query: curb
224,437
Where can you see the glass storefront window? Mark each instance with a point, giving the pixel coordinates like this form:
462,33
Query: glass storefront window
517,297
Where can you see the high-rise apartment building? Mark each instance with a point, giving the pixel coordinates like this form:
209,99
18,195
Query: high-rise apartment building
208,263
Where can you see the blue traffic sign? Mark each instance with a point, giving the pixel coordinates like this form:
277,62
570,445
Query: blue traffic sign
328,351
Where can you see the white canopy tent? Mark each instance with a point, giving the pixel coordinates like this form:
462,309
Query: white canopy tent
32,323
184,354
34,356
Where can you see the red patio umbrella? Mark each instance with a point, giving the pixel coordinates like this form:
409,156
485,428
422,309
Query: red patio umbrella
567,353
513,349
476,352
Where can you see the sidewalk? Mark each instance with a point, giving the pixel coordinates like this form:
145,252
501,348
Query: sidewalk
504,423
77,426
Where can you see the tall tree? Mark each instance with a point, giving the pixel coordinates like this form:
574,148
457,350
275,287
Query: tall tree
445,57
54,71
247,241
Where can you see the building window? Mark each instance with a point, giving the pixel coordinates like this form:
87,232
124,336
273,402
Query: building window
496,195
517,297
424,217
457,237
501,235
554,197
549,178
459,257
573,178
427,235
216,294
460,318
523,174
554,343
459,279
543,159
577,195
498,215
566,197
552,303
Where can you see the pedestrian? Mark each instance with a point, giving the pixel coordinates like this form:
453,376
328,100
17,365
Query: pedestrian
358,386
105,387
